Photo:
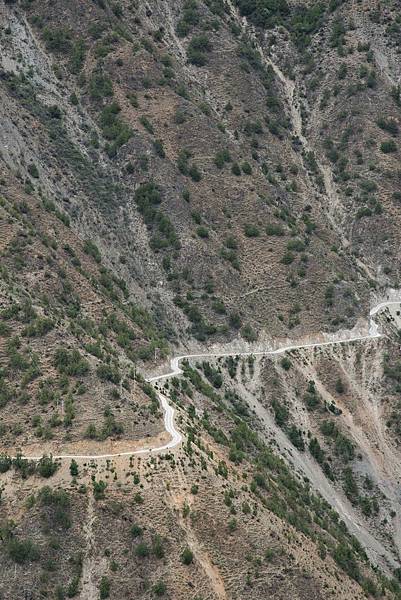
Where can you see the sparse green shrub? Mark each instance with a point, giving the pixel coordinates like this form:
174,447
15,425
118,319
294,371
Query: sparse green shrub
246,168
147,124
221,158
22,551
231,243
47,466
33,171
74,468
249,334
100,86
339,386
202,232
104,588
57,39
388,147
197,49
296,245
142,550
288,258
236,169
194,173
73,587
389,125
136,530
274,229
286,363
235,320
114,130
365,211
70,362
251,230
91,432
187,556
157,546
158,147
91,249
159,588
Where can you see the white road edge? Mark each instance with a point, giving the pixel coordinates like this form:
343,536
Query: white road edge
169,412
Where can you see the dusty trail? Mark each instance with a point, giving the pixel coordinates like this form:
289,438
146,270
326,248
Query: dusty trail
89,590
201,555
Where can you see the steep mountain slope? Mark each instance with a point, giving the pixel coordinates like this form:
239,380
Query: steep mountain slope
128,99
179,177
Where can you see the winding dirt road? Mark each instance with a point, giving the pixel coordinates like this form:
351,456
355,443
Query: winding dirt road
376,551
175,370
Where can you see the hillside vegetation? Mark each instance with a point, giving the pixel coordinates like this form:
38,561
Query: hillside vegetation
177,177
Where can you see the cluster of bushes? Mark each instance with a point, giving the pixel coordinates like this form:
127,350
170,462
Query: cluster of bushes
229,251
189,19
281,416
114,129
311,397
70,362
368,505
213,375
107,372
344,448
45,467
91,249
100,86
57,506
149,390
190,170
265,13
59,39
21,550
221,158
39,327
301,21
109,428
143,550
197,50
200,328
238,169
147,198
52,208
320,456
